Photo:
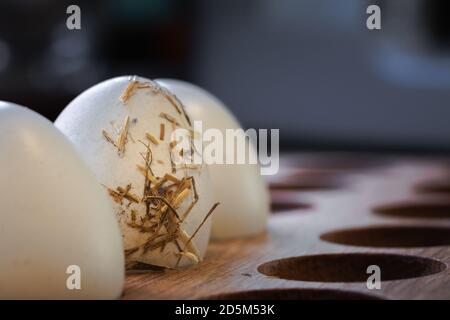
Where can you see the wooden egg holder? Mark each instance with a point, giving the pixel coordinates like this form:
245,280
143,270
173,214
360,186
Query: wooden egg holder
334,215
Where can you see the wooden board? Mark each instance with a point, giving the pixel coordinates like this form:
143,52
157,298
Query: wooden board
388,221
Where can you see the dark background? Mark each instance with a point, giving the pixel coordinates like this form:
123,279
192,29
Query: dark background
308,67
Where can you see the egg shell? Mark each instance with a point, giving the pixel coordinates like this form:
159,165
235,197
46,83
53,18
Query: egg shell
53,215
103,108
240,188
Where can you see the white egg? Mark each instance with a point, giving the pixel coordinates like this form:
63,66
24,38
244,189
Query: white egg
240,189
58,235
123,128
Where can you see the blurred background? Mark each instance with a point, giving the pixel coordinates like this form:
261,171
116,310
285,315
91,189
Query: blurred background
308,67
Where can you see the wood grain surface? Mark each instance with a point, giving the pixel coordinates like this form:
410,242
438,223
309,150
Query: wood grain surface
334,215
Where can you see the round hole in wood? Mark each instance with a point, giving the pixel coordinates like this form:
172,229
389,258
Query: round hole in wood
294,294
416,210
307,181
350,267
337,162
439,187
277,207
390,236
